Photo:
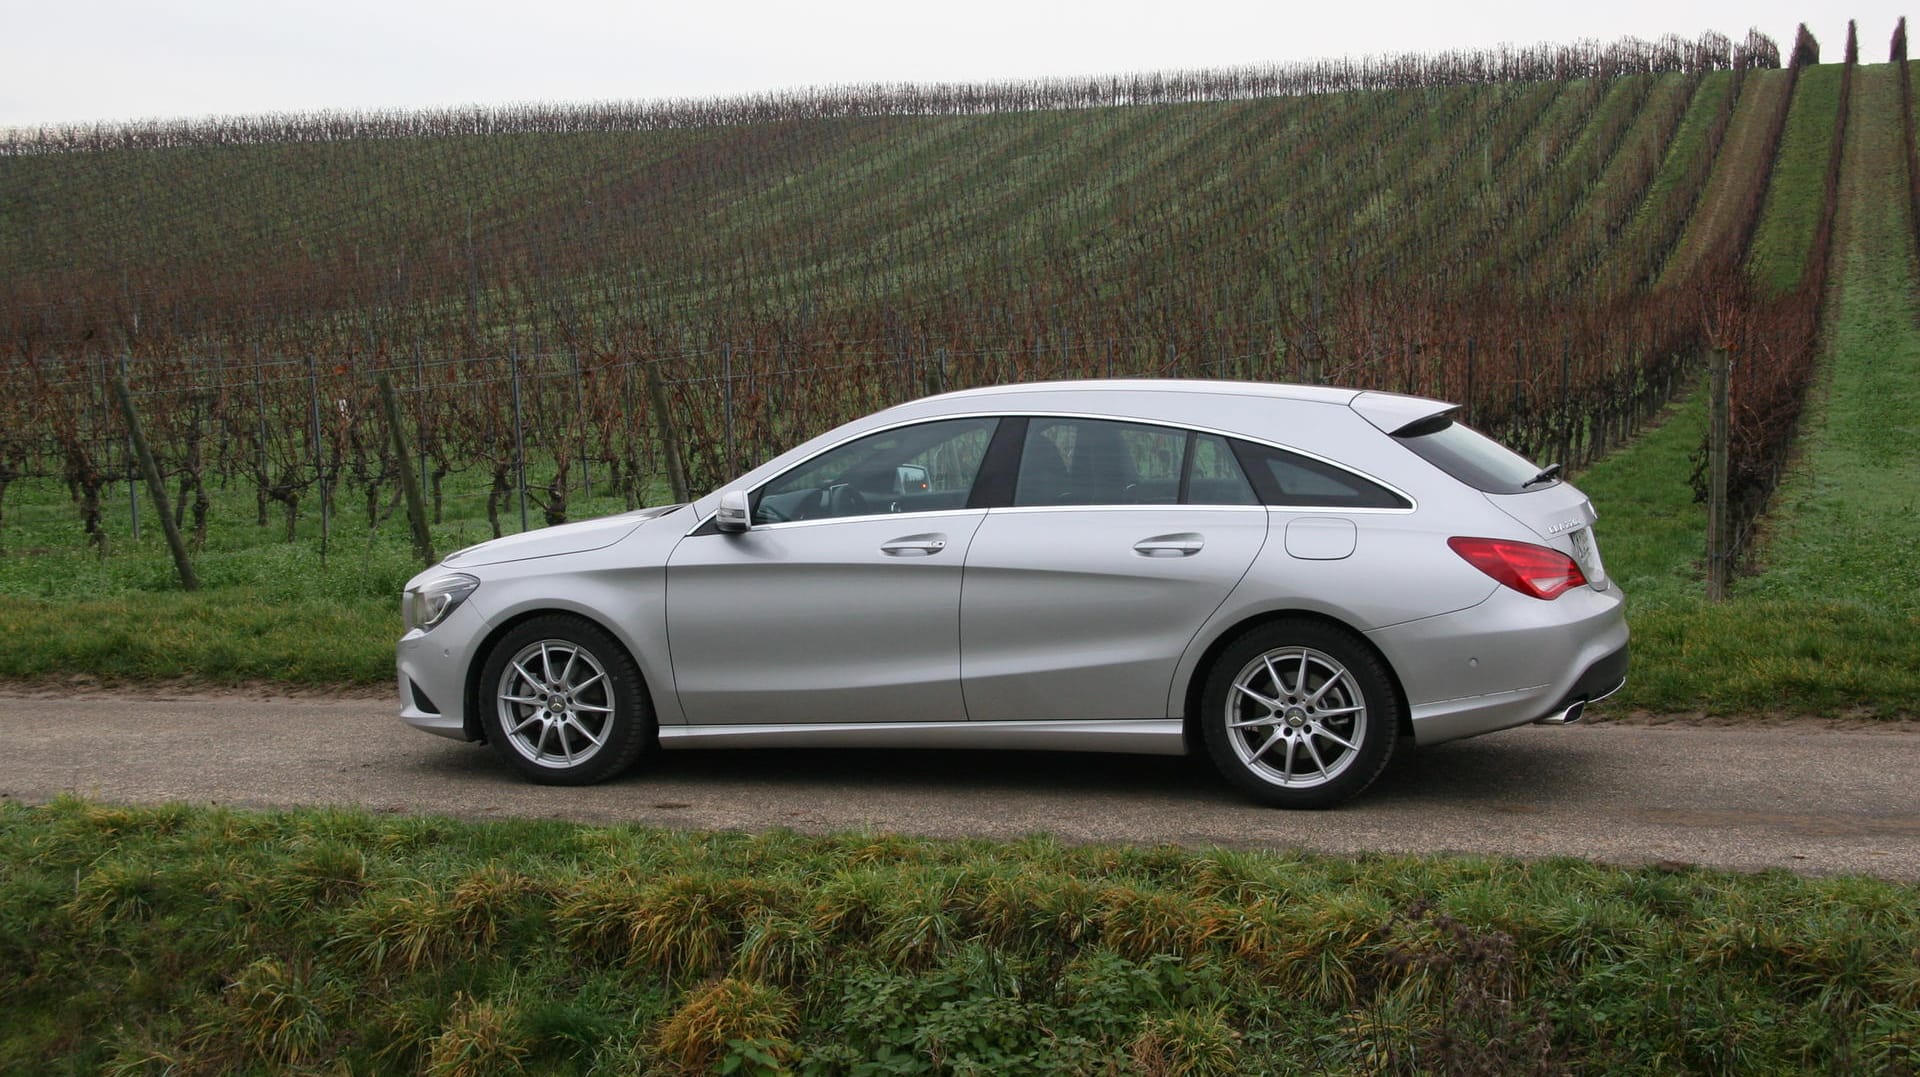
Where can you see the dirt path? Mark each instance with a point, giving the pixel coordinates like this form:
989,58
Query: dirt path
1805,796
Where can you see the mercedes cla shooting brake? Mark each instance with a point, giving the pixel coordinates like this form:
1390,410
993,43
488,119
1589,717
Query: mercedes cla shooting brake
1288,578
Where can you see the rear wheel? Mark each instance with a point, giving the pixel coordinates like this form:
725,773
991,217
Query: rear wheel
563,703
1299,714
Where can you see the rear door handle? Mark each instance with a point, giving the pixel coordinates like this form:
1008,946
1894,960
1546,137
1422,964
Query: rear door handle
915,546
1184,544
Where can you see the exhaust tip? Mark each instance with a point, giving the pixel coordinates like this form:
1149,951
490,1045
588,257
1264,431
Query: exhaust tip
1566,717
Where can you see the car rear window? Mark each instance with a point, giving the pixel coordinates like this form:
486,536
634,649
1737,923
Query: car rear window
1472,457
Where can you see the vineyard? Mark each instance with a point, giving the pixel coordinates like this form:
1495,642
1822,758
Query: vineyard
636,301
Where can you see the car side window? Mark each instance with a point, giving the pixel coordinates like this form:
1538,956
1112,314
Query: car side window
1099,462
1215,476
925,468
1289,479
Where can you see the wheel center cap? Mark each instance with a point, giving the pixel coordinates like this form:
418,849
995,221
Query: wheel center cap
555,706
1296,717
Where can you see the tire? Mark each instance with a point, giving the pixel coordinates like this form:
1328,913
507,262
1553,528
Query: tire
1289,744
563,703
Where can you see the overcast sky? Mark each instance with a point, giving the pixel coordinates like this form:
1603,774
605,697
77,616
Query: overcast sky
85,60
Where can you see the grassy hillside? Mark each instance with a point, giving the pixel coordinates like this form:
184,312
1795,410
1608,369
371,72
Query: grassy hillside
1552,246
1362,235
1845,513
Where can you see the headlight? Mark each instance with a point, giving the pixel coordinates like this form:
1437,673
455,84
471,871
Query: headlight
427,605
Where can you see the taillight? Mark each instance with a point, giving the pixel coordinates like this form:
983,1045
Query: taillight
1531,570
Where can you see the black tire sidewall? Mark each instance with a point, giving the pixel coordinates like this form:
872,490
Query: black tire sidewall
632,726
1369,673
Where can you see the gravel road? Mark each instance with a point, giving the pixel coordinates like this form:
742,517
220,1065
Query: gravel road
1809,796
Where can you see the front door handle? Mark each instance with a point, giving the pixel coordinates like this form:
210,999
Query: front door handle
1184,544
915,546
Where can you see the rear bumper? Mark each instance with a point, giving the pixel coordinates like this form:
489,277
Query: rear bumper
1510,661
1601,680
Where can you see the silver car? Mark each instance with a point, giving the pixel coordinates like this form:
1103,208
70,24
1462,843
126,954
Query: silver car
1288,578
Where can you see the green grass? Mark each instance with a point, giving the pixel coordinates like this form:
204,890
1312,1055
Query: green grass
1797,193
267,610
1817,648
1670,195
1830,617
1812,635
203,940
1846,515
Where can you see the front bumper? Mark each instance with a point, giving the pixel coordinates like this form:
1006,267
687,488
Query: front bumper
421,711
431,668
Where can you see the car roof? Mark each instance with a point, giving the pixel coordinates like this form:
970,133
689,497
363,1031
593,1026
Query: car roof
1321,417
1316,394
1177,398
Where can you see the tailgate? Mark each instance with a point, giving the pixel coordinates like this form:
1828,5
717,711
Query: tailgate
1563,518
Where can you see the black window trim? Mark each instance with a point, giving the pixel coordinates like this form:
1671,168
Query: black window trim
993,487
1186,470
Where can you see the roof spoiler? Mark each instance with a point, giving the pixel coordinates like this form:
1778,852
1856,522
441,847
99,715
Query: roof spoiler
1395,414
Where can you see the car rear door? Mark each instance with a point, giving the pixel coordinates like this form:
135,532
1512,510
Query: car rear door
1080,597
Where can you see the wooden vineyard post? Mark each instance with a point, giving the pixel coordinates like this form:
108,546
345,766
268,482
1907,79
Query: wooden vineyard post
409,485
726,388
133,496
319,456
519,435
1719,558
669,438
151,471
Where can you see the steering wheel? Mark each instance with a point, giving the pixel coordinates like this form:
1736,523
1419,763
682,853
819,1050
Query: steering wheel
811,505
844,500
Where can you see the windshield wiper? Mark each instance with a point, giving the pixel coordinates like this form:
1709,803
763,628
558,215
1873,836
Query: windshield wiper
1547,474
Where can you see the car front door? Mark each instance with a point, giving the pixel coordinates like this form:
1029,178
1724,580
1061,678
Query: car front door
1080,597
842,602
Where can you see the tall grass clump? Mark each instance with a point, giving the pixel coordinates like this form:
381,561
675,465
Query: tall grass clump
139,940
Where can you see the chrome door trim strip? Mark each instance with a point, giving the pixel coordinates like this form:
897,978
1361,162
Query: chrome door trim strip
1150,736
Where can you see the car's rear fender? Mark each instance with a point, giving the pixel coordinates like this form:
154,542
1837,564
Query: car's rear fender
1194,686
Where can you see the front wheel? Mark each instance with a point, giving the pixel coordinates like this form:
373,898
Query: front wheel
1299,714
563,702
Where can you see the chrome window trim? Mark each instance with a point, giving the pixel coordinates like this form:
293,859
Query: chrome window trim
1336,510
1125,508
1413,503
785,525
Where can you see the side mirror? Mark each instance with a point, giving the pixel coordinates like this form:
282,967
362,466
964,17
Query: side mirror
910,479
736,513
